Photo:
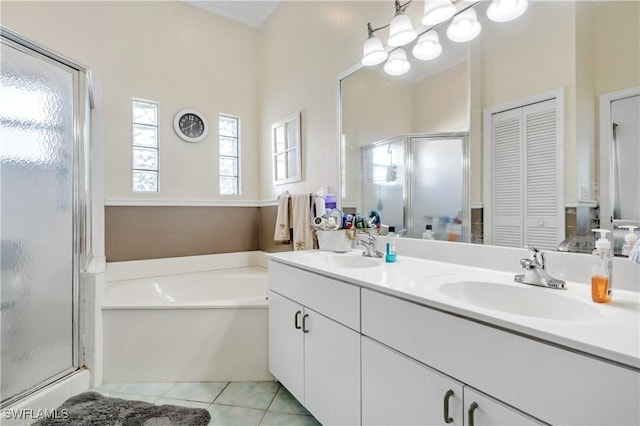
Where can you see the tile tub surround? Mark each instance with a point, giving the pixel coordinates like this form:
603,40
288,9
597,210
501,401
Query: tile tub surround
230,403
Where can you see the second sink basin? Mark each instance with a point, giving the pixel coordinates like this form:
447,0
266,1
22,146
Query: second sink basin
532,302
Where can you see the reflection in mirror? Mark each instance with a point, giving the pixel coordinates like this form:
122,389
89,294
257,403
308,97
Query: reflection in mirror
585,48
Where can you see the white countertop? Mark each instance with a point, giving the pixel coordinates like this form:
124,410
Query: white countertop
610,331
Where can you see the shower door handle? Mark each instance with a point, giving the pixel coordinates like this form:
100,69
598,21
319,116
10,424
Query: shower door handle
296,320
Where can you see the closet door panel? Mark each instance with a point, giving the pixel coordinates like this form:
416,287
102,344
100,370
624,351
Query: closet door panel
543,182
507,177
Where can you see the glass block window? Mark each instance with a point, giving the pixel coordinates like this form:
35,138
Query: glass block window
229,145
144,146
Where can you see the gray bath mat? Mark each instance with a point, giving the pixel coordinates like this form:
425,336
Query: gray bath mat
93,409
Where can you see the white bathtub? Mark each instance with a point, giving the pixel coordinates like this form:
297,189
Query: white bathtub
207,325
237,287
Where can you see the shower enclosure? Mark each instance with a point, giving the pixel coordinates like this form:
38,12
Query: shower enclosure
44,136
419,180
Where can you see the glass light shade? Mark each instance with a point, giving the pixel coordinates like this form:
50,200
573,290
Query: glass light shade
373,52
428,46
436,11
506,10
465,26
401,31
397,64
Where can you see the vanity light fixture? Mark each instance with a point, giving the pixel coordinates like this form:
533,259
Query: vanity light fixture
465,26
401,31
437,11
373,50
428,46
397,64
506,10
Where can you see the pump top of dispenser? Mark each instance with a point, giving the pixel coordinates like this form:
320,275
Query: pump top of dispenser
602,242
631,236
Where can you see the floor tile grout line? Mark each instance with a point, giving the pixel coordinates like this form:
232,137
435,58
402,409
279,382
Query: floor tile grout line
270,403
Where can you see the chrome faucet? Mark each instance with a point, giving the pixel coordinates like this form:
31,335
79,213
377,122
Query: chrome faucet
370,246
536,274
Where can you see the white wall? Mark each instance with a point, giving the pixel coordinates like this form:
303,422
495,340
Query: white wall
169,52
304,46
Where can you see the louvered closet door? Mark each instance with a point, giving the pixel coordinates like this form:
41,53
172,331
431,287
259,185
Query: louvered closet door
543,183
507,178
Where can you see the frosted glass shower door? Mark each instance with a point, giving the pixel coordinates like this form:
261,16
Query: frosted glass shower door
383,181
37,133
437,187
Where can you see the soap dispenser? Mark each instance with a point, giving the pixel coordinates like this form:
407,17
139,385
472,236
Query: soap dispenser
601,268
390,255
630,239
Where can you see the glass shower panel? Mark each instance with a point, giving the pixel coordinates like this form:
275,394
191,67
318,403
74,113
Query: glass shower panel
437,187
36,171
383,181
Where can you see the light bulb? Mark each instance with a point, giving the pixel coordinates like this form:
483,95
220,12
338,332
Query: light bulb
401,31
506,10
397,64
436,11
373,52
428,46
465,26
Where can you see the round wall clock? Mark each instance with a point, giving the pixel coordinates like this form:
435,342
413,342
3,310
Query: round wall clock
190,125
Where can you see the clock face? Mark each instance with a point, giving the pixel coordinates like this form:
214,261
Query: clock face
190,125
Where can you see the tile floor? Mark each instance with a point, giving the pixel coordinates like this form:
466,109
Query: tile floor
230,403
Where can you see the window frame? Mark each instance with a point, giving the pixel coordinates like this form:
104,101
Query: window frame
237,157
156,147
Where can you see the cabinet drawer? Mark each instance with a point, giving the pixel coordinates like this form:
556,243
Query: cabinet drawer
335,299
552,384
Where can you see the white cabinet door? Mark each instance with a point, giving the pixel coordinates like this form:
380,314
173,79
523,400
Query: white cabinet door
332,370
286,346
397,390
482,410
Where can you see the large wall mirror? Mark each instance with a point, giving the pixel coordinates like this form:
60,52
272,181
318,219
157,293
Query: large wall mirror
568,55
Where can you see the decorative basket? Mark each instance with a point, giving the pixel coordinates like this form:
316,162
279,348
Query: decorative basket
338,240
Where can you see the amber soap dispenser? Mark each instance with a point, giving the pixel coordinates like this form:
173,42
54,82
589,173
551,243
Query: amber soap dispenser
601,268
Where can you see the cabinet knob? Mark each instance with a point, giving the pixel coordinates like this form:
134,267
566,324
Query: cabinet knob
472,408
447,395
295,320
304,323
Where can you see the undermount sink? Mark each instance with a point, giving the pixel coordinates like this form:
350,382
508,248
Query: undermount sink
345,261
532,302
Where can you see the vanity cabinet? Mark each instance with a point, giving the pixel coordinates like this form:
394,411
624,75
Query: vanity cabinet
355,354
546,382
411,393
316,357
397,390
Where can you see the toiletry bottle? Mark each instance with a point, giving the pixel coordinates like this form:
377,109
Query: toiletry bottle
428,233
601,269
630,239
390,255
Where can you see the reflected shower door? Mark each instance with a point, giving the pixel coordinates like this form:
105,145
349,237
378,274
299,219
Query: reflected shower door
37,133
383,181
437,187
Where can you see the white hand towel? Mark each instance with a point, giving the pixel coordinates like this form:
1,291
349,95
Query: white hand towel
301,221
282,234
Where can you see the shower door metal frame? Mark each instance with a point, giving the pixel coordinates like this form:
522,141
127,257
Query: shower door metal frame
466,188
81,227
407,195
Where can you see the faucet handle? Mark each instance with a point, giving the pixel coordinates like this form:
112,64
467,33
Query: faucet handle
536,255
